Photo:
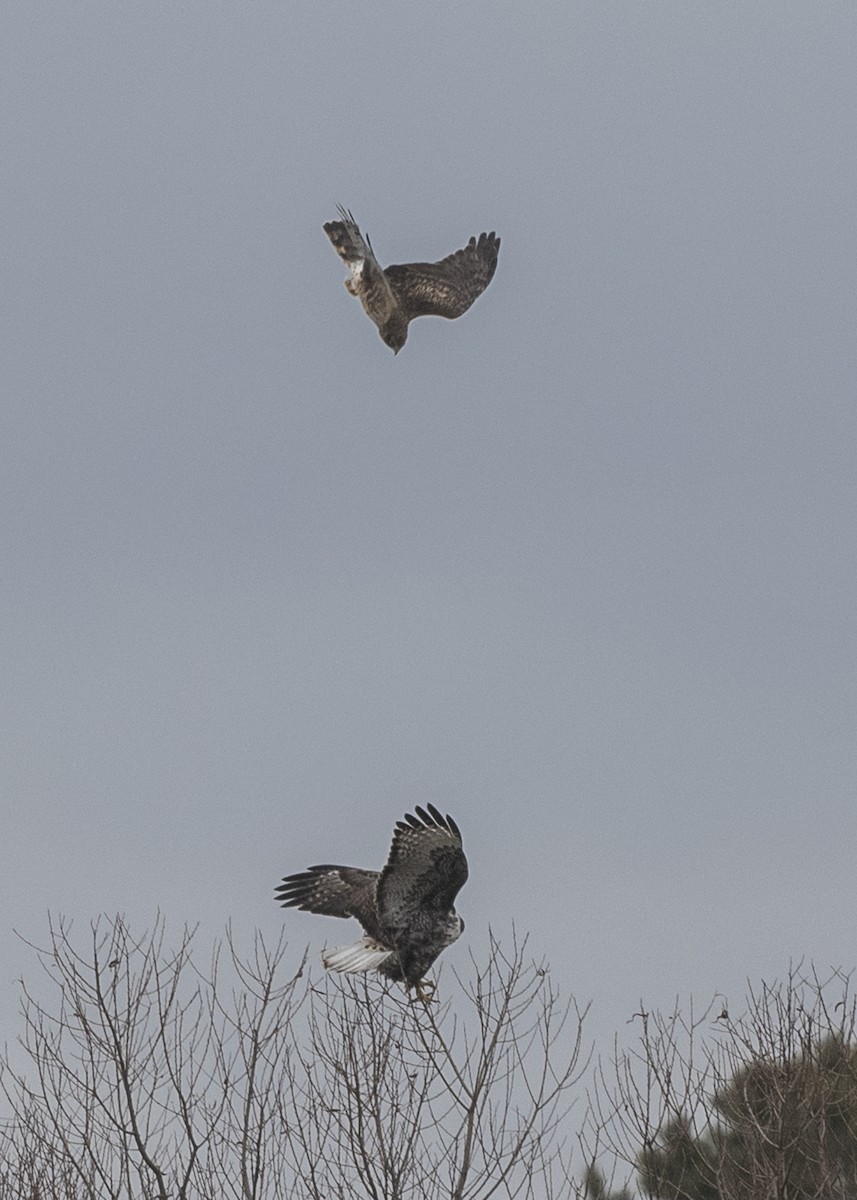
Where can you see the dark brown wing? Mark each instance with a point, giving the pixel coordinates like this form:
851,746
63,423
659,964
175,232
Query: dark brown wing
425,871
334,892
446,288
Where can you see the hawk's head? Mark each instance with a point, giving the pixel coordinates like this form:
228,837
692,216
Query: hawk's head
395,332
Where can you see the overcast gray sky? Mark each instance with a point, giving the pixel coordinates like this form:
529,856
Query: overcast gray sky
578,568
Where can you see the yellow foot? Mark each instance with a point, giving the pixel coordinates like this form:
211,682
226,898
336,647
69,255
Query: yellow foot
424,990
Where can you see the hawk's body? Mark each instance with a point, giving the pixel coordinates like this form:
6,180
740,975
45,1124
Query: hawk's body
406,909
394,295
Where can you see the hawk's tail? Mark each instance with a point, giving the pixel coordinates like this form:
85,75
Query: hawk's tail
365,955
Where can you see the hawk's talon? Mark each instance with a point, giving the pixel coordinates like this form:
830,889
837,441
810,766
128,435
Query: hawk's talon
424,990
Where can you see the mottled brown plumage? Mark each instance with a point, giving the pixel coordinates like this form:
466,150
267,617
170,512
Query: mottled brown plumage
395,295
406,909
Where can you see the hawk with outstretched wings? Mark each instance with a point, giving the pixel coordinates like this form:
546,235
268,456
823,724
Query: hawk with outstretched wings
406,910
393,296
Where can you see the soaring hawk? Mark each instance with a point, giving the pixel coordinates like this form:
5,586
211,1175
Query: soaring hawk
393,296
406,909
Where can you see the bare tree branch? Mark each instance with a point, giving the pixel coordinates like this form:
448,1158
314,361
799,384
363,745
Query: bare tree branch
147,1076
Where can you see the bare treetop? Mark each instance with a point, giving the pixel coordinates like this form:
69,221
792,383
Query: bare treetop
151,1075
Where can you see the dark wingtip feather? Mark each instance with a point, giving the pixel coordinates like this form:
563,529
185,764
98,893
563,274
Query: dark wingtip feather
485,245
331,228
296,890
445,822
429,817
289,892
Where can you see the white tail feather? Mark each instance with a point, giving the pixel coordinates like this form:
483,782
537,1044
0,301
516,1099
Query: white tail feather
364,955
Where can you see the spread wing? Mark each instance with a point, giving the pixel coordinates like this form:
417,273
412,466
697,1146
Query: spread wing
334,892
425,870
368,280
446,288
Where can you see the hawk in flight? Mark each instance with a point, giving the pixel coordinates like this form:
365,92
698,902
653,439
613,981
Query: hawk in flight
406,909
393,296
